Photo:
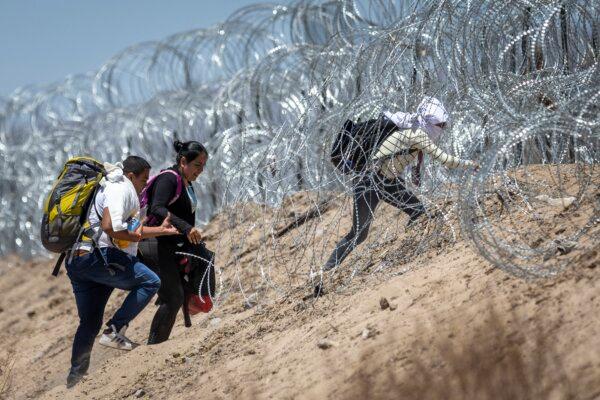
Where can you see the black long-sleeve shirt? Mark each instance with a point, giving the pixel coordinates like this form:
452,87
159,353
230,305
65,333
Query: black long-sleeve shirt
183,217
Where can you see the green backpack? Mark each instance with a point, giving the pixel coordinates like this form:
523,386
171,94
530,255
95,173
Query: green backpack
66,207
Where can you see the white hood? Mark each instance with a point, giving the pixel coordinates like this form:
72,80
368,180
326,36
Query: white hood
114,173
121,198
430,111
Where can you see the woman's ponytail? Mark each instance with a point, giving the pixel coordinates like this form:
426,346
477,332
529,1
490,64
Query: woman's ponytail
178,145
190,150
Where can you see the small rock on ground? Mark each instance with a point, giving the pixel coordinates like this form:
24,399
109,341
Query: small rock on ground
384,303
325,344
369,332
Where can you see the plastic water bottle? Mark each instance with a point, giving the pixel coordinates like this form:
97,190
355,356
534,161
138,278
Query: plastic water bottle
133,224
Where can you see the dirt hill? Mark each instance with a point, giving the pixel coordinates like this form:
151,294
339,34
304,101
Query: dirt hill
394,322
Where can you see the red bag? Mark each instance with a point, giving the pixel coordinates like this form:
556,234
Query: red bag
198,292
197,304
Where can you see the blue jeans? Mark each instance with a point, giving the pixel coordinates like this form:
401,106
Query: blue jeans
92,285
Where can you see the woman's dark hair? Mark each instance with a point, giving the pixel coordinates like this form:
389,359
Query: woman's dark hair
190,150
135,164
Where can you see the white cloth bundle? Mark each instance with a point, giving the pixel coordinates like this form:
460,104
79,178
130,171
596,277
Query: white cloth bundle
430,111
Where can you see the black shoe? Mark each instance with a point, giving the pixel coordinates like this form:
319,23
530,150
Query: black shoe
412,220
317,292
330,267
78,370
73,378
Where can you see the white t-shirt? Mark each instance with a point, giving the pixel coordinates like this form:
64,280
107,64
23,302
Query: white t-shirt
123,204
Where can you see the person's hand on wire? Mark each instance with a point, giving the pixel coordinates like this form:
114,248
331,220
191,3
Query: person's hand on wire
195,236
416,170
416,175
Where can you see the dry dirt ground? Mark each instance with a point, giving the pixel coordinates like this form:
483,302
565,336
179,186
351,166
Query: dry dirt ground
455,327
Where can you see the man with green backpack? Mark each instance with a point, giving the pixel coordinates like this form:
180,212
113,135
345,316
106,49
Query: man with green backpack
100,245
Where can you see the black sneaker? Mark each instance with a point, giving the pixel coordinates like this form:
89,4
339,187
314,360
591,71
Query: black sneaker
330,267
73,378
78,370
412,220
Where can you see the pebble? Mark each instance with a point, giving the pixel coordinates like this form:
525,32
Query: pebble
39,355
250,302
325,344
384,303
564,202
369,332
139,393
565,246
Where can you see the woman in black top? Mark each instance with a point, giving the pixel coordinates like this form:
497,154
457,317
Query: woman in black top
190,162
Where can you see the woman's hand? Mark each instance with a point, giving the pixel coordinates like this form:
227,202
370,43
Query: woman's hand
195,237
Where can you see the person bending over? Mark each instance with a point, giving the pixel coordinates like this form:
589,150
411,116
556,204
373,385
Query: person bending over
414,135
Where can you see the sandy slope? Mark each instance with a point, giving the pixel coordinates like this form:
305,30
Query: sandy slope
271,350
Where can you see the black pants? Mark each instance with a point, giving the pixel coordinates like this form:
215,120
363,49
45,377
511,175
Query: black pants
160,256
368,192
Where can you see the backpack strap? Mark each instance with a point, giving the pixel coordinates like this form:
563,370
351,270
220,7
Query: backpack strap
187,321
144,195
64,254
88,231
179,188
59,262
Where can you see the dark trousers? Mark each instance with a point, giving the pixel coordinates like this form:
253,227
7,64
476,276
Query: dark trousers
161,257
368,192
93,284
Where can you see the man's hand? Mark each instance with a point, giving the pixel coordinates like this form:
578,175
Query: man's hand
136,235
167,228
164,229
195,237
